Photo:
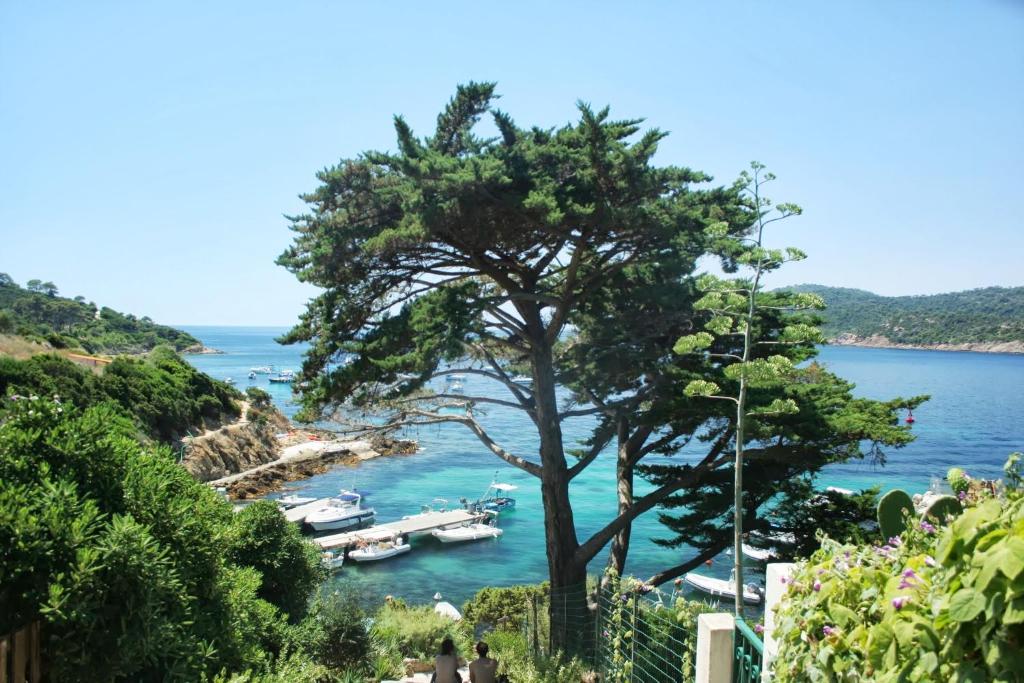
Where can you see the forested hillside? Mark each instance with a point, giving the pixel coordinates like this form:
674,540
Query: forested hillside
36,311
989,315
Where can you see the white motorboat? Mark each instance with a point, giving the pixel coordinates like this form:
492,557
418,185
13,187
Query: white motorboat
455,378
252,375
759,554
332,560
523,380
455,388
379,550
466,532
281,379
263,370
722,588
294,500
344,511
228,380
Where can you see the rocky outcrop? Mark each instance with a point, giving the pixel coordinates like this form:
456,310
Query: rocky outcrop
231,449
199,349
880,342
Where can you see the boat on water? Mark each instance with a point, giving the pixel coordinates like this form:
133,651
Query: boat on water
454,378
332,560
455,388
759,554
467,532
495,498
522,380
344,511
285,377
252,375
294,500
262,370
228,380
753,594
379,550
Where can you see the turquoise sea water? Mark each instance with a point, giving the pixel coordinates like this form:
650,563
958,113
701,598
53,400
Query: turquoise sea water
975,419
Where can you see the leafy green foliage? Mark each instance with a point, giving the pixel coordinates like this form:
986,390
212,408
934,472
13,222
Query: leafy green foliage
418,631
931,605
992,314
161,393
501,608
263,539
335,634
126,559
37,312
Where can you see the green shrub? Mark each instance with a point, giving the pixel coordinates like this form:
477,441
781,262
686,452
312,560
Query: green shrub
502,608
936,605
335,633
418,631
958,480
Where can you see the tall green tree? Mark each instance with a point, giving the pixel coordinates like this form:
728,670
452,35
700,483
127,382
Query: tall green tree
458,254
754,383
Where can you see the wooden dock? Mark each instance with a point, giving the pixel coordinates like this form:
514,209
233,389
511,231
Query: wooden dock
413,524
299,512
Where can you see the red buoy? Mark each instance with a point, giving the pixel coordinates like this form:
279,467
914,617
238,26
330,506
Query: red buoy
910,417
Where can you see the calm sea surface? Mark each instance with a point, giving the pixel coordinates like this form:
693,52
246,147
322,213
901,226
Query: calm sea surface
974,419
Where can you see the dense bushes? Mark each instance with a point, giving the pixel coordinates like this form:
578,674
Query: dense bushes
934,604
502,608
418,631
161,393
137,571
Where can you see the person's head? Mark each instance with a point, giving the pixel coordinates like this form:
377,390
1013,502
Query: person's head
482,649
447,646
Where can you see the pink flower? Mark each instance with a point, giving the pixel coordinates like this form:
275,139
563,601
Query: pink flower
829,630
895,542
816,586
783,579
930,561
927,528
758,628
900,601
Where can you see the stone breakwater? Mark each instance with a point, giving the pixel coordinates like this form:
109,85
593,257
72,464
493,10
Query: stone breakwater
880,342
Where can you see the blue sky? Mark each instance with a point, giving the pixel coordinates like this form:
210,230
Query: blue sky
148,151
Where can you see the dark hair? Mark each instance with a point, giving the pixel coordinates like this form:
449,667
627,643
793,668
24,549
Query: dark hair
447,646
482,649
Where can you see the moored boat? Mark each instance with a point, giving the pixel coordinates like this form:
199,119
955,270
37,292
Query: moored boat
467,532
379,550
332,559
722,588
759,554
344,511
495,498
263,370
294,500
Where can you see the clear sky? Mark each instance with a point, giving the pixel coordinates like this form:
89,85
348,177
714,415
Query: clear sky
148,151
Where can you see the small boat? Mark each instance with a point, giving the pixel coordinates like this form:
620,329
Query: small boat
282,378
455,388
228,380
379,550
759,554
522,380
252,375
454,378
494,498
332,560
722,588
262,370
467,532
341,512
293,500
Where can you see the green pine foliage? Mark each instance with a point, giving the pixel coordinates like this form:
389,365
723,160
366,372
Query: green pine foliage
161,393
136,571
37,312
992,314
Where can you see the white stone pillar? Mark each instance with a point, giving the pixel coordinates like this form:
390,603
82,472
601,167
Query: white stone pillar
714,647
776,580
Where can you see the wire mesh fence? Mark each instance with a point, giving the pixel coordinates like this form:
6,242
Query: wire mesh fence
625,635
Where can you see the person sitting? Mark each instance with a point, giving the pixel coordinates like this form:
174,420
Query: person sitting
446,664
483,669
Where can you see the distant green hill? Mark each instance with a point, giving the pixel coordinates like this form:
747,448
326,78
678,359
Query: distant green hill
989,315
37,312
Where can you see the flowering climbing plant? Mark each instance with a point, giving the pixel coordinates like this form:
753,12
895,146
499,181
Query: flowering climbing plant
940,602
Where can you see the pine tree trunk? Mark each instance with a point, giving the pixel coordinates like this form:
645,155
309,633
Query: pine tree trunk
568,577
624,471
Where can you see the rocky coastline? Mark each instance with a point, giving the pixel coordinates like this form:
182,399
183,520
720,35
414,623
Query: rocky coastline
880,342
200,350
